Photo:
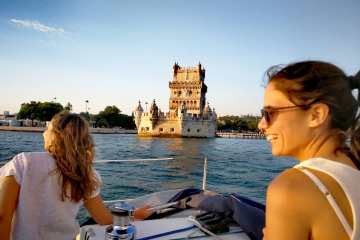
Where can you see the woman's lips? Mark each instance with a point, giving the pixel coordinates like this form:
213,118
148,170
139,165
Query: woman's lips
271,137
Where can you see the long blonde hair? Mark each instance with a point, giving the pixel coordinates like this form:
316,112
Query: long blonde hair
72,148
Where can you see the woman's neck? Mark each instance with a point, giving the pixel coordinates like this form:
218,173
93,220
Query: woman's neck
325,146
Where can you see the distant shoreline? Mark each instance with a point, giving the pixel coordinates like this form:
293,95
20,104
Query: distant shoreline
129,131
93,130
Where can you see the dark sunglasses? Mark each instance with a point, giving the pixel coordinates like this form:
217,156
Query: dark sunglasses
268,112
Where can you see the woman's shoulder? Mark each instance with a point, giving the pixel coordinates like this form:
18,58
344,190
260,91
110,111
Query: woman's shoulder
288,180
31,156
33,160
288,205
292,185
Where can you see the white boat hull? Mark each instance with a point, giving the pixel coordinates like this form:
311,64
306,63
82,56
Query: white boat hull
174,226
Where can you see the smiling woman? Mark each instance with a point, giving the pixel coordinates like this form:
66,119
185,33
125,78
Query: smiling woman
309,113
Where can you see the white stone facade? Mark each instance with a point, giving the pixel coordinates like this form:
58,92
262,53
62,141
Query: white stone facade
188,114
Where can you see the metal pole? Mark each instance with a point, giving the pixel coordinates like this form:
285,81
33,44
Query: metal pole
86,103
204,174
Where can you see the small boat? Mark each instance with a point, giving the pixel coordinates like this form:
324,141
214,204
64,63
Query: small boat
175,218
172,220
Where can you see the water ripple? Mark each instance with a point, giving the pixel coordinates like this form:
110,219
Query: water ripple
234,165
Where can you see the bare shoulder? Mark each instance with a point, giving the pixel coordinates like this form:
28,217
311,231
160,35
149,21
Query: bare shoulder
289,182
294,191
288,215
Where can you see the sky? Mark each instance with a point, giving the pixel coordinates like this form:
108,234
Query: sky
114,52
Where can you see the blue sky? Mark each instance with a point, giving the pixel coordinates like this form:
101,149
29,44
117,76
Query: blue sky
116,52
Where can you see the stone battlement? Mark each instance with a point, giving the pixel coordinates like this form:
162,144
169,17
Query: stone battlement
189,115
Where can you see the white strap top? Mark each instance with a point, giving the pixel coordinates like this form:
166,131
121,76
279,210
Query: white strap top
347,177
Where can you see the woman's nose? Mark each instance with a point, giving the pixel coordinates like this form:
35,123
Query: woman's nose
262,125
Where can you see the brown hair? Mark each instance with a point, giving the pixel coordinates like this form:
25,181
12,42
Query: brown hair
72,148
315,81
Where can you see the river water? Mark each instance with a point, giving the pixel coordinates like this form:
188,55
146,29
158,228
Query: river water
245,166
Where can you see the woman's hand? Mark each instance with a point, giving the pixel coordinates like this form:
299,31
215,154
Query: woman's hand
142,213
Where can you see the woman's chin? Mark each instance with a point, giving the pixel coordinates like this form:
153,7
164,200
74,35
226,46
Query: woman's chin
277,152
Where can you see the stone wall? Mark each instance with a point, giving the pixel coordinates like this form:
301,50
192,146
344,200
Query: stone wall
178,128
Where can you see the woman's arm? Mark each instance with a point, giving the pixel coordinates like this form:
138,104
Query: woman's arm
98,211
287,216
102,215
9,193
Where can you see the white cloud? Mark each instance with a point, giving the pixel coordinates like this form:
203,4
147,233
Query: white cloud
36,25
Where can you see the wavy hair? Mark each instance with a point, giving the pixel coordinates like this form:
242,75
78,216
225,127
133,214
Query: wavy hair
72,148
309,81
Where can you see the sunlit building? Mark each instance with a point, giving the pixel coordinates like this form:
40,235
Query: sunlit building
189,114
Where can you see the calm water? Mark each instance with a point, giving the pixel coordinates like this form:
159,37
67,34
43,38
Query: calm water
234,165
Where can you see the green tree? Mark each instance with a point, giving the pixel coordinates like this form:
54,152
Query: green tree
48,109
42,111
238,123
111,117
68,107
86,115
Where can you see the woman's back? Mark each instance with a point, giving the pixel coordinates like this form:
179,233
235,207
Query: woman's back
298,199
40,210
340,181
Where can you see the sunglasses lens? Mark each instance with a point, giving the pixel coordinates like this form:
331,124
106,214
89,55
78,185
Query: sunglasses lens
265,114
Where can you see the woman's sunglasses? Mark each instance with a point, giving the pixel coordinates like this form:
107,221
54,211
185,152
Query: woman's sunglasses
268,112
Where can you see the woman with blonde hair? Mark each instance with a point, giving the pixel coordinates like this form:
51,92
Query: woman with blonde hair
41,192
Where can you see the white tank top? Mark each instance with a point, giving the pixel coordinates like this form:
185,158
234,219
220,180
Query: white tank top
348,178
40,213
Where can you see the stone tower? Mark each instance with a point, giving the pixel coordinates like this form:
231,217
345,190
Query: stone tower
188,89
137,114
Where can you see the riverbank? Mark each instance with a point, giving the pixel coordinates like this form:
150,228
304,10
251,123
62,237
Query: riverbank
93,130
240,135
128,131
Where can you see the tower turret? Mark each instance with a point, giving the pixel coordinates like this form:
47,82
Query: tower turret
154,112
137,114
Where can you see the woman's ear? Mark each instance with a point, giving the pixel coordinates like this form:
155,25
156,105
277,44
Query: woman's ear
318,114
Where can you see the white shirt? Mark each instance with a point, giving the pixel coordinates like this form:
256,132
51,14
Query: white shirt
40,213
348,178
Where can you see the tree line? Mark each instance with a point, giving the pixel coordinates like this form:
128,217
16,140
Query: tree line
245,123
110,117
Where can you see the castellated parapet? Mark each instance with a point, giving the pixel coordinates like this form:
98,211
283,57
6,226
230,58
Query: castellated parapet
189,115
